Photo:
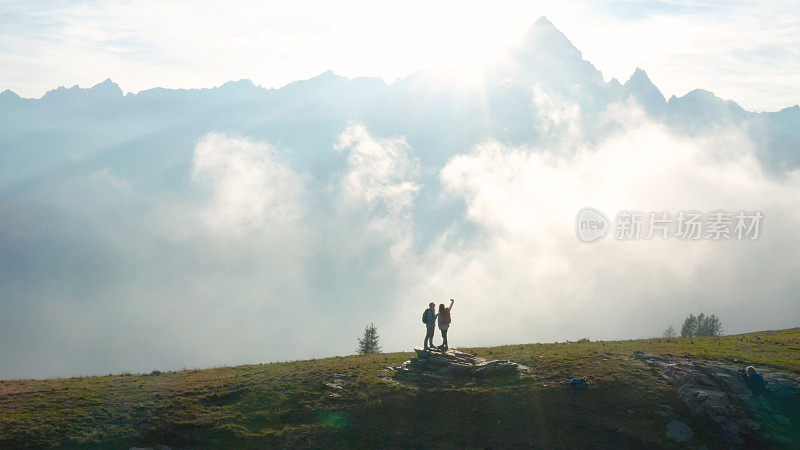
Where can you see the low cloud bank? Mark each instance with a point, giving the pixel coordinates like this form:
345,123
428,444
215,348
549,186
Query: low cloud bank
257,262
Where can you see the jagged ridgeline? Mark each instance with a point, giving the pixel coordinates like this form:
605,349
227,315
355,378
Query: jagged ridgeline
99,127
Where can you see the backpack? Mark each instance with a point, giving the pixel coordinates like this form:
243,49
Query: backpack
757,383
446,316
425,316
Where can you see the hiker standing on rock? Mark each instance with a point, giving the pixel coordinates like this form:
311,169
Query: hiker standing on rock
429,319
444,321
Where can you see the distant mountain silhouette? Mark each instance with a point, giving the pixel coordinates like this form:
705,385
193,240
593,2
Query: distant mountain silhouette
645,92
546,56
72,127
99,94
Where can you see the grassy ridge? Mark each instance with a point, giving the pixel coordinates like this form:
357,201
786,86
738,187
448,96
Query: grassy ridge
289,404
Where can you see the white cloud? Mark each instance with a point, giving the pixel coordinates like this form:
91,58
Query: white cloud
380,183
524,276
530,278
558,117
248,187
258,263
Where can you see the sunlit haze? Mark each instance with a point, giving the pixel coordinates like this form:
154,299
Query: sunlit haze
744,51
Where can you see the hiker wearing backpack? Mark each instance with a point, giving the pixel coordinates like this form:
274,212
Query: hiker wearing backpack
444,321
429,319
753,380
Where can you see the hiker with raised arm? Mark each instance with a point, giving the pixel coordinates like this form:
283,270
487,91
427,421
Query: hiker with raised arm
429,319
444,321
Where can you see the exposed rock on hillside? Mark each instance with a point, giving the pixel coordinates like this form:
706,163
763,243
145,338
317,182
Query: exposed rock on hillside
679,431
436,366
715,391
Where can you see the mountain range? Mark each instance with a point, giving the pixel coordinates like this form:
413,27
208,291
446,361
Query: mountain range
73,128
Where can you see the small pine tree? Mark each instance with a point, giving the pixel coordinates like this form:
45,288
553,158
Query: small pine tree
713,325
701,329
689,327
670,332
368,344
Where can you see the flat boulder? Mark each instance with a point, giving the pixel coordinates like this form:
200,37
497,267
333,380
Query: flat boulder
496,368
447,366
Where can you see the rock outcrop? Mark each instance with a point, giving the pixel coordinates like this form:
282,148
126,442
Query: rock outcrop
336,387
679,431
715,391
442,367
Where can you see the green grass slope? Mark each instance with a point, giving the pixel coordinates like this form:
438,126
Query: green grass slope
289,404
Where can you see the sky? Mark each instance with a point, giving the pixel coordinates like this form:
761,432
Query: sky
747,51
